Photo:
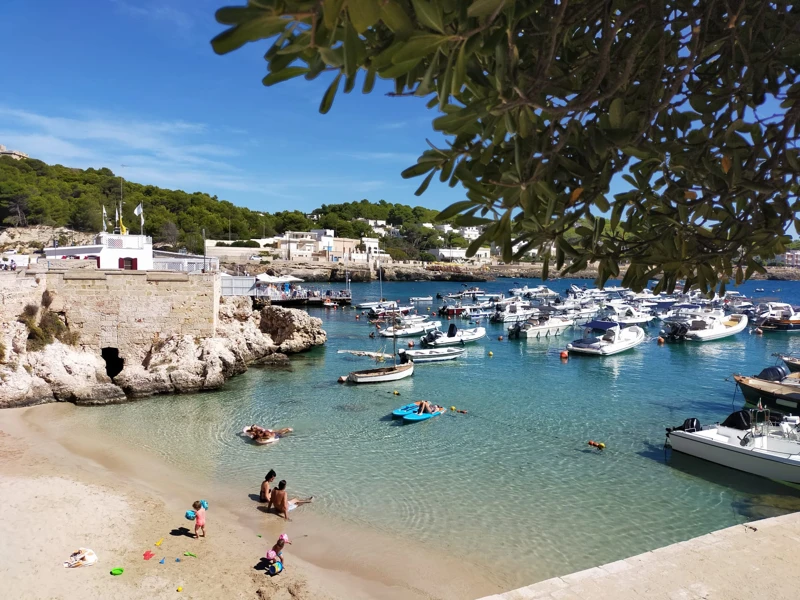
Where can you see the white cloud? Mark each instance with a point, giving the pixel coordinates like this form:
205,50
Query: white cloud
156,12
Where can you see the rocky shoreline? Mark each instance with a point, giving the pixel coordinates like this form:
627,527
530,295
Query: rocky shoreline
60,372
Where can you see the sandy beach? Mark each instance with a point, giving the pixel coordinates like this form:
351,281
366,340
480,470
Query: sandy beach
64,490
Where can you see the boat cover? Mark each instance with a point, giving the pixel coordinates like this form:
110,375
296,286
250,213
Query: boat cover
776,373
451,331
738,420
604,325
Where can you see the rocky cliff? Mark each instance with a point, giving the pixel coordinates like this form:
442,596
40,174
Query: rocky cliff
179,363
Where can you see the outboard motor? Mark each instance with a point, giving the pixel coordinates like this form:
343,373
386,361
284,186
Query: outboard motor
776,373
513,332
689,426
451,331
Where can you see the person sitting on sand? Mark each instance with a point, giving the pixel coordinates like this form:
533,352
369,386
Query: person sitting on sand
282,503
265,493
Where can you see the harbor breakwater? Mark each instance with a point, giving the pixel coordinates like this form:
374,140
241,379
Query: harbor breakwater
95,337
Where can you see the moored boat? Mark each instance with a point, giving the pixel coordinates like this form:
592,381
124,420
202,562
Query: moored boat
791,362
711,328
410,329
382,374
430,354
453,337
768,448
609,338
421,299
779,316
544,326
773,387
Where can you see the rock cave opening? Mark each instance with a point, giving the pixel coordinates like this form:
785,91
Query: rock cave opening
114,363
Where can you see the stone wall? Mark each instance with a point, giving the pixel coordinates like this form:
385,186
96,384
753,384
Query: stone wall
129,310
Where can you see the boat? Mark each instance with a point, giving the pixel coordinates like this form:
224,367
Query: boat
544,326
410,329
370,354
453,337
614,339
626,315
430,354
451,310
767,447
421,299
260,440
382,374
512,312
414,417
759,289
540,291
330,304
792,363
399,413
779,317
773,387
382,311
713,328
381,304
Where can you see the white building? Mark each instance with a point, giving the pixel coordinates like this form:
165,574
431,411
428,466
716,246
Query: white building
372,222
469,233
110,251
15,154
444,228
428,225
371,245
790,259
460,254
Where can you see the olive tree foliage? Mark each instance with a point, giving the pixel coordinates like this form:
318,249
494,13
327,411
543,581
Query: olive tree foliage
693,103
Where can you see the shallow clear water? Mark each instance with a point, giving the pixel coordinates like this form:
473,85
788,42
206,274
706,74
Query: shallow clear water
515,474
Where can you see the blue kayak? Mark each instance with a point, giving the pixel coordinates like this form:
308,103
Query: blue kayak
399,413
413,417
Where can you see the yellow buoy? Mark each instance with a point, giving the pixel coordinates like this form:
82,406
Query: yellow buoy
491,353
601,445
396,393
452,408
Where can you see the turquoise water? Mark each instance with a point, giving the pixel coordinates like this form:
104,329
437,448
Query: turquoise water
515,474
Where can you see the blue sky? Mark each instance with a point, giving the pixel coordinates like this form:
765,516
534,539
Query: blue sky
105,83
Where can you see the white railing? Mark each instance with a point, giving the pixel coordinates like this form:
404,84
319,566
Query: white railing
126,242
186,265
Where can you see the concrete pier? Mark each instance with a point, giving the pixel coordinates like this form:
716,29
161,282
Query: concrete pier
756,560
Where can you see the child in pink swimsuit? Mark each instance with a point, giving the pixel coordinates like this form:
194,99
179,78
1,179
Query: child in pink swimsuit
199,519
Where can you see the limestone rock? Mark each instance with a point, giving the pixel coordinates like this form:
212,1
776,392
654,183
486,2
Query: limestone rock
73,375
18,388
292,330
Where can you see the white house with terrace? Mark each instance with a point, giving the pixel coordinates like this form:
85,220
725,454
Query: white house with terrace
110,251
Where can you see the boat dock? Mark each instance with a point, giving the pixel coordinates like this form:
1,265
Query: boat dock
753,560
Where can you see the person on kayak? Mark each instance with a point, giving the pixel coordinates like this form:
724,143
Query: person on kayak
427,407
282,503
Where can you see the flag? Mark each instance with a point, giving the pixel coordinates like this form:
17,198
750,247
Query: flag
105,218
139,212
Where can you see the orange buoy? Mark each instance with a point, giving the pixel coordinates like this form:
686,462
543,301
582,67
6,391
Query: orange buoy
660,340
358,317
411,344
499,338
564,354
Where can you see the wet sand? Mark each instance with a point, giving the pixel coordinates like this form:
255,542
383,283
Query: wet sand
68,489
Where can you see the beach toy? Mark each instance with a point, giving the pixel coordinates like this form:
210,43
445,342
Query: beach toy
180,589
161,562
190,554
259,535
190,514
204,504
148,555
177,560
275,568
117,571
158,543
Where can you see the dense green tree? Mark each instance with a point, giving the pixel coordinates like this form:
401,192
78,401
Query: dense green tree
545,102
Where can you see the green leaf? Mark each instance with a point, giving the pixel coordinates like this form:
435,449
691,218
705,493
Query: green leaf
429,14
424,185
369,80
482,8
419,46
426,85
331,9
352,48
363,13
417,169
616,113
454,209
395,18
460,70
283,75
330,93
254,29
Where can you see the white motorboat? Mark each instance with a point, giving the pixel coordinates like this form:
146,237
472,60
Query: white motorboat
381,304
421,299
512,312
453,337
410,329
383,311
382,374
540,291
715,328
612,339
430,354
766,448
779,316
544,326
626,315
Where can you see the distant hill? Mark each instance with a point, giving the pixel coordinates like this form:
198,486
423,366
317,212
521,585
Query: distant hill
34,193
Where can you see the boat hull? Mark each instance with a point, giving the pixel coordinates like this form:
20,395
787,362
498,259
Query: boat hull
735,458
715,334
424,356
381,375
540,332
457,340
607,350
777,325
769,394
